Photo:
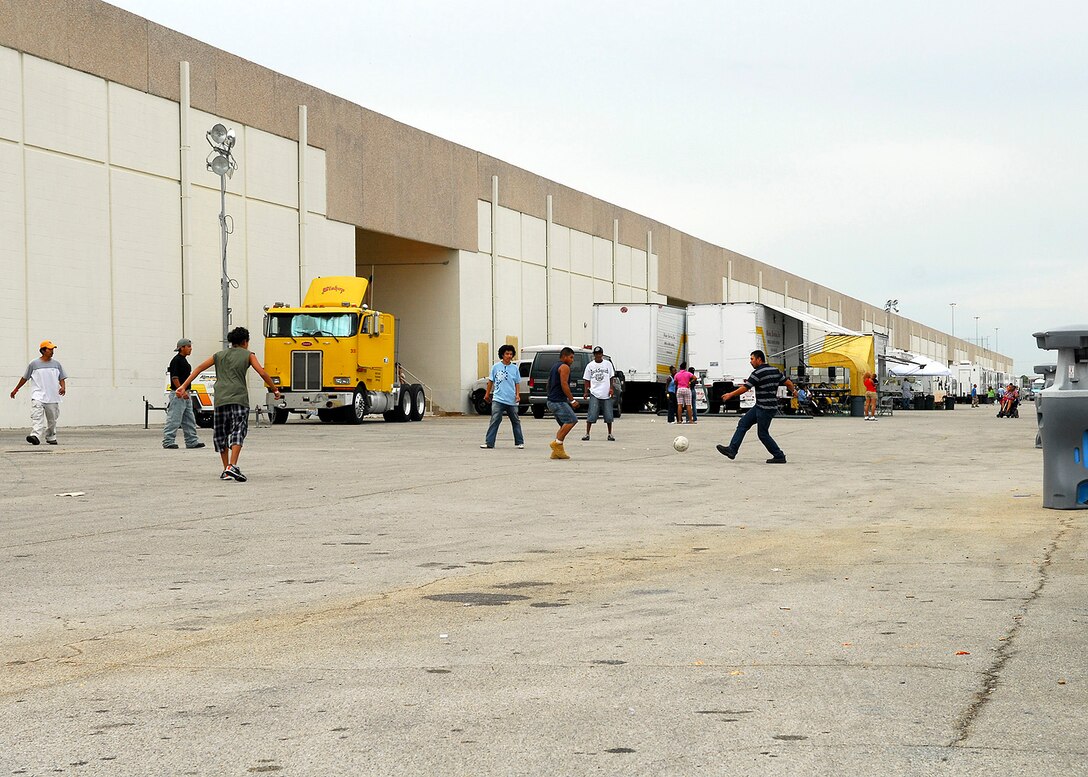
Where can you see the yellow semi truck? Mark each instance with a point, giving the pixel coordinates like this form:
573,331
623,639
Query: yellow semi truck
336,357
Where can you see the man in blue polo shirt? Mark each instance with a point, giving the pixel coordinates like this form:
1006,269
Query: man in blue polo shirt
765,379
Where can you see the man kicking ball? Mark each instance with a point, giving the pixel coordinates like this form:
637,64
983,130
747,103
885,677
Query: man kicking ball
765,379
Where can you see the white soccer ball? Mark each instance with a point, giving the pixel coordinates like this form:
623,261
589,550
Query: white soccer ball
680,443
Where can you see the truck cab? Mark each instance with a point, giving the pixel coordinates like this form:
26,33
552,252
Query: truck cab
336,357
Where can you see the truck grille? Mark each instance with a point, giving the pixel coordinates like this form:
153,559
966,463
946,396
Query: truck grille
306,370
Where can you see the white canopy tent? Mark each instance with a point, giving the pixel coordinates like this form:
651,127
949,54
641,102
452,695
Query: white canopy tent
923,369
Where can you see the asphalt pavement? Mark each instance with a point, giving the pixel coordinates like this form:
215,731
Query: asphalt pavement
390,599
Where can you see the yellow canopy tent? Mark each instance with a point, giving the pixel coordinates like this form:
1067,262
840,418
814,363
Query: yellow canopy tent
855,353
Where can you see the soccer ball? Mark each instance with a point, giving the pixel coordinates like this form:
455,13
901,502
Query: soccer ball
680,443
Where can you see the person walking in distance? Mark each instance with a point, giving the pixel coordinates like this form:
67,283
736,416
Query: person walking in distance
684,396
974,395
870,397
48,378
561,402
179,412
670,394
765,379
502,393
231,398
598,390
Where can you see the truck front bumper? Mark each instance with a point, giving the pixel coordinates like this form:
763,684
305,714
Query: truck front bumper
305,401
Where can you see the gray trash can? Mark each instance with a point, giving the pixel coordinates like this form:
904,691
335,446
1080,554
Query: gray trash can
857,406
1047,371
1064,424
949,402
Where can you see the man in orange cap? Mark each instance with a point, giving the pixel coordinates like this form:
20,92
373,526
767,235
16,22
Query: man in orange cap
48,378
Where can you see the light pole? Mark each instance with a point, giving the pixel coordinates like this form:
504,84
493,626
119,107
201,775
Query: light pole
995,337
221,162
889,306
977,341
953,306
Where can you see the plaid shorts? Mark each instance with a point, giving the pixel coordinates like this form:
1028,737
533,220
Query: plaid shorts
231,426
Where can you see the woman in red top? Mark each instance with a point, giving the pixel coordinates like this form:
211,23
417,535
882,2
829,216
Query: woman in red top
870,397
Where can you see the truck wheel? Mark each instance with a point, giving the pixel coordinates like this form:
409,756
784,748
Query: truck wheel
404,404
478,404
538,411
419,402
278,415
205,420
357,410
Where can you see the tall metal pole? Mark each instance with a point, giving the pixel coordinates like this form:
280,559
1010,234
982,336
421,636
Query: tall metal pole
953,306
977,341
224,281
995,337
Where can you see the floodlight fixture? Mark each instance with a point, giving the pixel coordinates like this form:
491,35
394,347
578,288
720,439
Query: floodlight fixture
218,134
220,165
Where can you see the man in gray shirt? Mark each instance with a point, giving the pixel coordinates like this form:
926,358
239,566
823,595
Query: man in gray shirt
48,379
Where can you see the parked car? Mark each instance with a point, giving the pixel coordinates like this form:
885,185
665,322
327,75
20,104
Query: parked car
544,358
478,390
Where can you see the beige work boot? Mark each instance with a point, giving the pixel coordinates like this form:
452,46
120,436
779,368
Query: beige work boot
557,450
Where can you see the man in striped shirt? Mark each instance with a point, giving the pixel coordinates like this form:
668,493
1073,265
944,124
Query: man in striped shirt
765,379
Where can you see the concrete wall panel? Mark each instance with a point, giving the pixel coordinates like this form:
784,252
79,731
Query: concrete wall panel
330,250
603,291
534,308
475,304
581,310
508,233
559,307
581,253
560,247
145,228
602,258
483,220
68,260
316,201
623,264
271,165
65,109
11,95
638,268
15,353
508,302
144,132
534,238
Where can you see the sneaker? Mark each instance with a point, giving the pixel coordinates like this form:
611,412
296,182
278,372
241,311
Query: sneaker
520,446
33,439
50,442
224,475
194,446
777,460
586,438
486,446
233,472
726,451
171,446
611,438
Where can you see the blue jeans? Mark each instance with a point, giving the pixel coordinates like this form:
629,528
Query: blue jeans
179,413
761,418
599,407
498,410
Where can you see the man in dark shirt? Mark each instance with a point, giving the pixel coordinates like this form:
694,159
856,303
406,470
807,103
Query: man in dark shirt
179,412
765,379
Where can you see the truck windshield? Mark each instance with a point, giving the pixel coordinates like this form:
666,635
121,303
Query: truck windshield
311,325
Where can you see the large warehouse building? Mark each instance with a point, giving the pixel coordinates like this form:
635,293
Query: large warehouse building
111,237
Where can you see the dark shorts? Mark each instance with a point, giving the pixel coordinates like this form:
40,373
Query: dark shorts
563,412
231,426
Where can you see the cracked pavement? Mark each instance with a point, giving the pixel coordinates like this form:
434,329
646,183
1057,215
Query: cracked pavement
391,599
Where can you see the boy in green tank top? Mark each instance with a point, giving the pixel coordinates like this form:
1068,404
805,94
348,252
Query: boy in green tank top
231,398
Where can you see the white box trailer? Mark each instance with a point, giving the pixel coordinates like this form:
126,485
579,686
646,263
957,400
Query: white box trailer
643,340
722,336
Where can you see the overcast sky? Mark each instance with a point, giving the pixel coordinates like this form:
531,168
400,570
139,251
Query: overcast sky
932,152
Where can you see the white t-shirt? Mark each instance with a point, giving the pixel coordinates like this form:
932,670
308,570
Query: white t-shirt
45,377
599,377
